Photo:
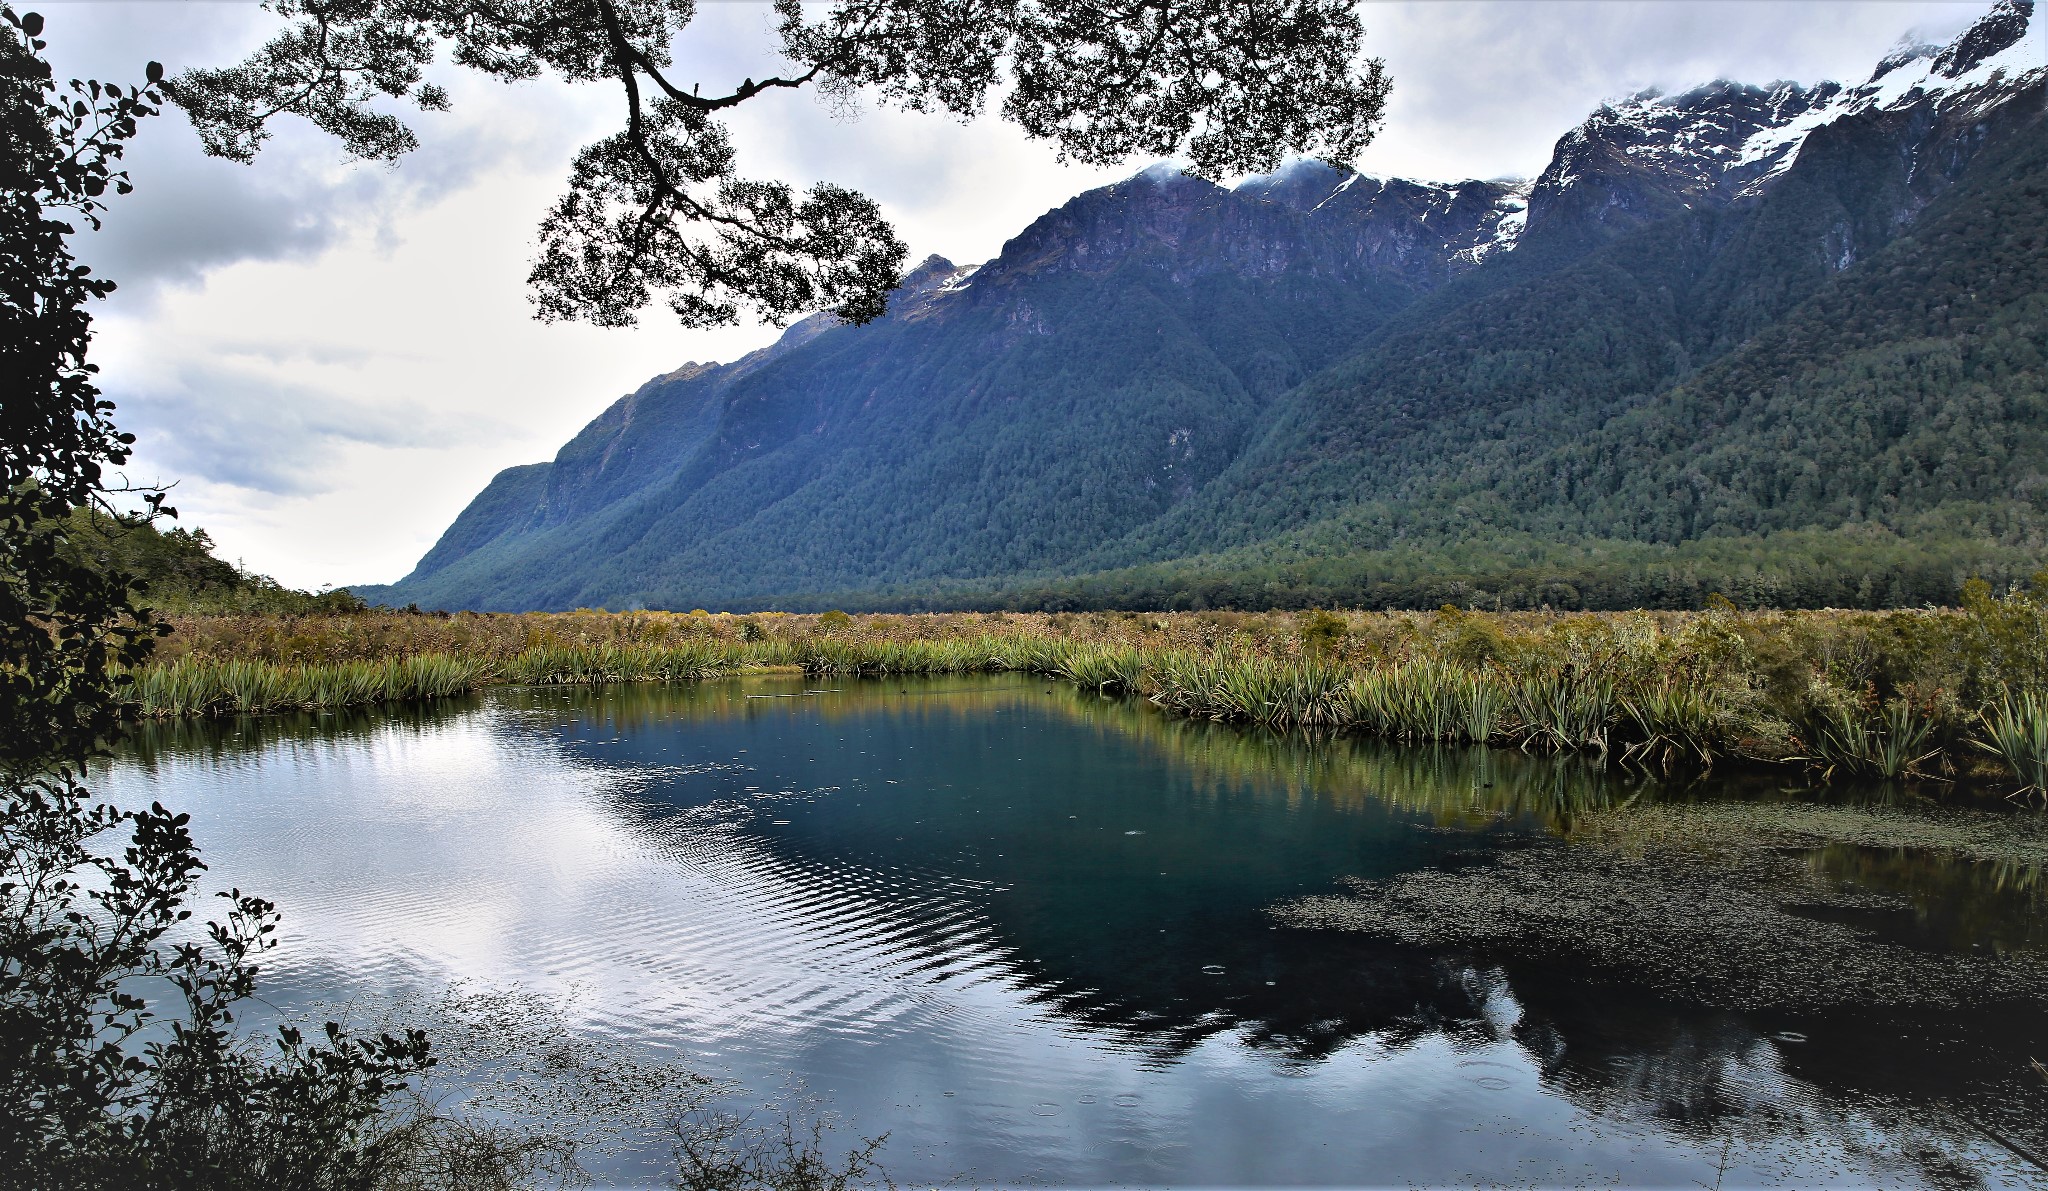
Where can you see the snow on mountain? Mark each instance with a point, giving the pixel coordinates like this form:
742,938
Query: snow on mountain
2004,50
1724,142
1693,140
1635,159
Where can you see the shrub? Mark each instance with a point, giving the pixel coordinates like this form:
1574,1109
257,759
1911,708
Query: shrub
1323,632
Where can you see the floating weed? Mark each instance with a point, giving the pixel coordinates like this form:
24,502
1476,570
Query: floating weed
1713,903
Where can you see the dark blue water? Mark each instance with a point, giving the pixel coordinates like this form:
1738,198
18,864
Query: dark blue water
1025,932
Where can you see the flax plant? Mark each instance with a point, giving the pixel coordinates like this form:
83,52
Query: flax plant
1892,744
1675,721
2016,732
1561,710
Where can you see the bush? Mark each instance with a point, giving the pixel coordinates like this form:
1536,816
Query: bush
1324,632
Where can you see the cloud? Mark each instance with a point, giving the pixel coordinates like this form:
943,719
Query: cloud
1485,89
191,214
232,423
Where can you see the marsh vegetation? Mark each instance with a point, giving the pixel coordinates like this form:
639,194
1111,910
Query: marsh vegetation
1944,696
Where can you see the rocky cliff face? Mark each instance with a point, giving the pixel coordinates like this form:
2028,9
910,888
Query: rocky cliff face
1164,366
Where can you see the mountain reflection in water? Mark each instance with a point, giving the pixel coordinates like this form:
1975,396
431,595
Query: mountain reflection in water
1027,931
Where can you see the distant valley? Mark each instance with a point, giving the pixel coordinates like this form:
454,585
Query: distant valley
1787,344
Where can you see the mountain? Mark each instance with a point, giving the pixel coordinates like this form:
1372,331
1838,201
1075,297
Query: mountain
1783,342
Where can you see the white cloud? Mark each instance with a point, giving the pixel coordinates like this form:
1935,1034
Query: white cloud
334,358
1483,88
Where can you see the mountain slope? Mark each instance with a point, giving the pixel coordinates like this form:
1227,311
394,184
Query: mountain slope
1784,341
1108,364
1885,440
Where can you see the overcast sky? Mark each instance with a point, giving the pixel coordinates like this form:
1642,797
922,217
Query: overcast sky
330,360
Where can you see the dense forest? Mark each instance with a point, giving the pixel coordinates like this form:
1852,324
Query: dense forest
176,571
1654,374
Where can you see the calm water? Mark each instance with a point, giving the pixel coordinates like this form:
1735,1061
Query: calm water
1024,931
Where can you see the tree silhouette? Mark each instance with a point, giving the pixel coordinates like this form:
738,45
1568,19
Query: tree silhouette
659,206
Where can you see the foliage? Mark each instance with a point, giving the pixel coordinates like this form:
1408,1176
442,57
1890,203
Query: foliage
658,207
64,626
175,570
1676,722
1891,743
1323,631
104,1088
120,1061
2008,640
2016,732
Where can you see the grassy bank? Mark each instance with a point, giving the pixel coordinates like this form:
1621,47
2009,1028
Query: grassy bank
1939,694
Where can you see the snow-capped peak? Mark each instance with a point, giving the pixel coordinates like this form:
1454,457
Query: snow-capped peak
2004,48
1693,140
1994,36
1904,52
1727,141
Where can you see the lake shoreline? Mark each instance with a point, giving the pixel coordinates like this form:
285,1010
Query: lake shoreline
1947,698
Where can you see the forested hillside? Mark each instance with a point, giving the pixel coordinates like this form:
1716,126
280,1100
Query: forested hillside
176,570
1784,344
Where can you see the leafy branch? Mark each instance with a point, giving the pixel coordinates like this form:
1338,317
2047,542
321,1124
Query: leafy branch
658,208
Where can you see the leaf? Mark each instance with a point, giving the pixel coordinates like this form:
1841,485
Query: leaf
32,23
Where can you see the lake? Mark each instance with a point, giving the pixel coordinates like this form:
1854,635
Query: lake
1044,938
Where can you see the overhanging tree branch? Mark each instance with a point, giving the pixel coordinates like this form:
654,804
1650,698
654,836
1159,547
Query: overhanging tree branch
1231,86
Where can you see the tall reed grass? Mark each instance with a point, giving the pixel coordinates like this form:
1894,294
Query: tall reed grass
1870,694
595,665
853,658
200,686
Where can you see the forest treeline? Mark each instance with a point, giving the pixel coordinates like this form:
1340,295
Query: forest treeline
175,569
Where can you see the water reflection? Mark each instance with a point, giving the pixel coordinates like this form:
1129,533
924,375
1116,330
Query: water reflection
1950,903
1025,928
